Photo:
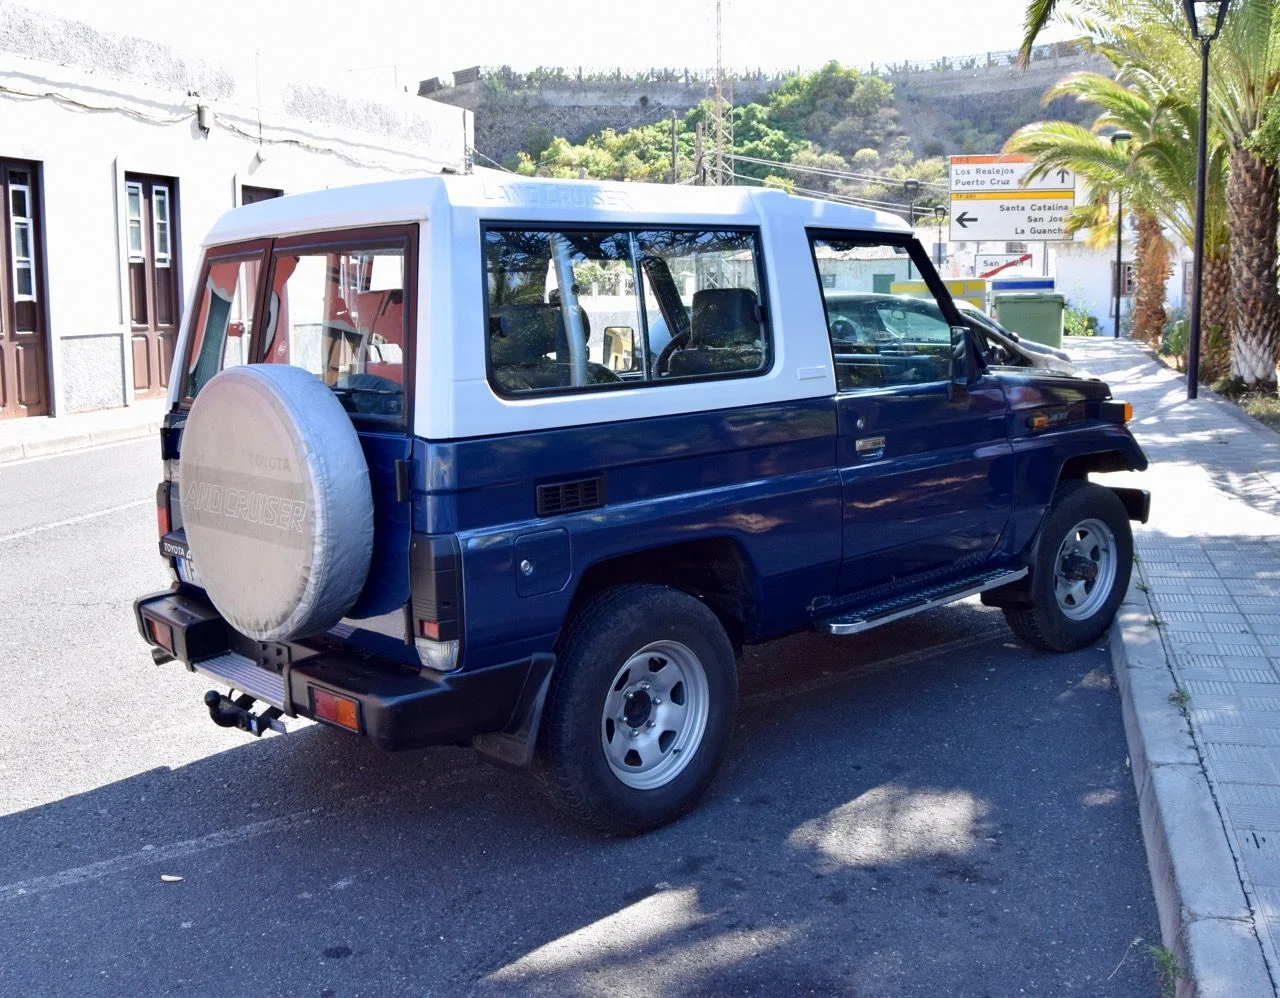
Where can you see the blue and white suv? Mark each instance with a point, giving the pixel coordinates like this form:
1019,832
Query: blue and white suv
430,478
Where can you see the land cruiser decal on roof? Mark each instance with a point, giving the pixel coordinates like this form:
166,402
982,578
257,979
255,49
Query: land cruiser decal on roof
554,196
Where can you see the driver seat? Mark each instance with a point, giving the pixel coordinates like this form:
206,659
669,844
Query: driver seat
726,334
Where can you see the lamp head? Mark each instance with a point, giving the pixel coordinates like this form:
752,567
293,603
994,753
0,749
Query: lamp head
911,186
1120,136
1205,17
939,212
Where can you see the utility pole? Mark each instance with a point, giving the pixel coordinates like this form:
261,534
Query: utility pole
721,123
675,174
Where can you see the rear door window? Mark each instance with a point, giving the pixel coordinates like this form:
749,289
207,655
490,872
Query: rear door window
339,312
223,325
336,305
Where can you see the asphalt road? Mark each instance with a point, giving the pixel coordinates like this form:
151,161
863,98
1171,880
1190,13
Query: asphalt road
928,809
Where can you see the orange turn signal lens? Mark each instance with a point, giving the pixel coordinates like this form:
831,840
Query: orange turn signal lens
342,711
1128,411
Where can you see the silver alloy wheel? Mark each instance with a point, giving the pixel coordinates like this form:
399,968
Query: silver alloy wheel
1085,570
655,715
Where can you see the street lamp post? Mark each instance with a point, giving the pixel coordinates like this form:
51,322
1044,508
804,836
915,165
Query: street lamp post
912,188
1116,139
939,213
1205,17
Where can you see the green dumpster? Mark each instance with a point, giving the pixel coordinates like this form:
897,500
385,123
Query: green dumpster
1036,315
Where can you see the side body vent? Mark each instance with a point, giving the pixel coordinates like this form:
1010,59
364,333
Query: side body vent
565,497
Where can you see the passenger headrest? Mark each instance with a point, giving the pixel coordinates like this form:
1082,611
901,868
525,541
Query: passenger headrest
523,334
725,317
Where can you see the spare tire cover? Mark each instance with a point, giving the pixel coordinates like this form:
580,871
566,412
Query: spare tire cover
275,501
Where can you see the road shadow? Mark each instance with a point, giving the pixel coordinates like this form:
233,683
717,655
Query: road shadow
959,824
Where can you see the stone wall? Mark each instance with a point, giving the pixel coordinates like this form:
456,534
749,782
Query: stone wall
992,95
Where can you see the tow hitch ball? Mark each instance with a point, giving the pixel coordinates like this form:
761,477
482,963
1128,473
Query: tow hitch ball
228,713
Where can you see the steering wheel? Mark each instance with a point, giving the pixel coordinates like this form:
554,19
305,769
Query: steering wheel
677,342
845,329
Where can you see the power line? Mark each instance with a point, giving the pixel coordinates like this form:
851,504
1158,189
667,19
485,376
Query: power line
841,174
476,152
856,202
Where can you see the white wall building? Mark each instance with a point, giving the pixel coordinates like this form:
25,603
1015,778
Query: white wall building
116,156
1080,273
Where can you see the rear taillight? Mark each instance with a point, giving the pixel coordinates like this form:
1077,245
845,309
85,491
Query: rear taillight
339,710
160,634
163,524
434,564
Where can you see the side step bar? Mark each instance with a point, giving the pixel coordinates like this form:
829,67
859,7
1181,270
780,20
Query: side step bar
864,618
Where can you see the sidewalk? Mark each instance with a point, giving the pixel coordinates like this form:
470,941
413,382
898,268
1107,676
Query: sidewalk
41,435
1196,649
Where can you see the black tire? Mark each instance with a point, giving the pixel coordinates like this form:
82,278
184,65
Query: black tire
603,636
1043,623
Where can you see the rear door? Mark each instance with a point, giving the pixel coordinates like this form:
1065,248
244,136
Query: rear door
340,305
926,472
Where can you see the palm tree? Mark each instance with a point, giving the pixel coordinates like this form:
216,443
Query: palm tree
1155,171
1039,14
1245,88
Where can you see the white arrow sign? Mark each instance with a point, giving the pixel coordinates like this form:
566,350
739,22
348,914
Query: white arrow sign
1020,216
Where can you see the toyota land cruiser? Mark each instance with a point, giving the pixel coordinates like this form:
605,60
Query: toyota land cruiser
430,478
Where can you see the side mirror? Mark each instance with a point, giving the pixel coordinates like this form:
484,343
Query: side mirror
960,367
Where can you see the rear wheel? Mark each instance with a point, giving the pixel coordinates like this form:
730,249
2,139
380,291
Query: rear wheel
640,709
1081,570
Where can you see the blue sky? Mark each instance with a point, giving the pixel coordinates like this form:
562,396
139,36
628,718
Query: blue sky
377,42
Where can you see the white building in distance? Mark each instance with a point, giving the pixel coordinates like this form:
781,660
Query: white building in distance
116,156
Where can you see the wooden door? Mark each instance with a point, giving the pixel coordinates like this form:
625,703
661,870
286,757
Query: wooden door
24,360
151,231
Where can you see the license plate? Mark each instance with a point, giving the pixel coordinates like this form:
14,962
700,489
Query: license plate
188,572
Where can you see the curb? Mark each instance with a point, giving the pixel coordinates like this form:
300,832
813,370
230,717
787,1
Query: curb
1205,918
75,440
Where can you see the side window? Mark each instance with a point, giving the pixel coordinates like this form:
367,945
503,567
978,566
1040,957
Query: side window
563,310
224,319
881,337
719,326
340,313
607,309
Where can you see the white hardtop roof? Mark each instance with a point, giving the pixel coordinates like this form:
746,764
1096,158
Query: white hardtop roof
490,195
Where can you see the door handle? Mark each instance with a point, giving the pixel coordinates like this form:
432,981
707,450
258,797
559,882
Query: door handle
870,447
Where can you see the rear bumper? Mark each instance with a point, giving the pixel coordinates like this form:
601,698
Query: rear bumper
399,707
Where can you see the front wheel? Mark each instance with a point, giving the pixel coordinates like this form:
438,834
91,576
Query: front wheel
640,709
1080,572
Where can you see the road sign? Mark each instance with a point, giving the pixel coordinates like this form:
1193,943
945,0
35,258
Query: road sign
998,198
1002,264
971,174
1021,216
